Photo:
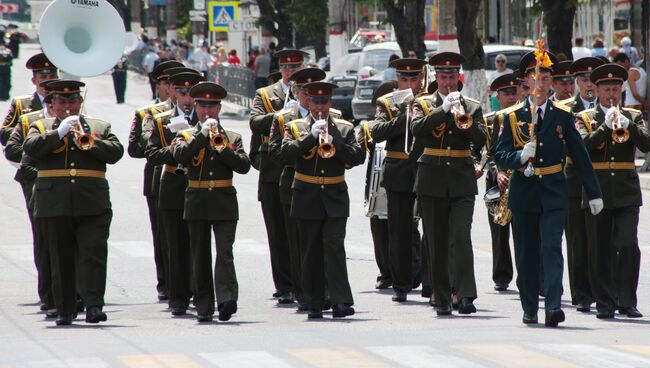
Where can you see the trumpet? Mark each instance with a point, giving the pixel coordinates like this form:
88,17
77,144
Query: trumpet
619,134
462,119
218,141
325,149
84,141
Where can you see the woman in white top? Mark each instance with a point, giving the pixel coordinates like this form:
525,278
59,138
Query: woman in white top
635,87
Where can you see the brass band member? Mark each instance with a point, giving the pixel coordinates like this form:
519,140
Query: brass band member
211,154
135,149
612,135
71,199
393,125
505,87
322,147
448,124
268,101
564,85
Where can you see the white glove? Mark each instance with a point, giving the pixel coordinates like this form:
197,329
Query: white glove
625,122
449,101
207,126
528,151
66,125
609,117
290,104
318,128
596,205
329,139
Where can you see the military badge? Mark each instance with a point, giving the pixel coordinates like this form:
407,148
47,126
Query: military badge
560,131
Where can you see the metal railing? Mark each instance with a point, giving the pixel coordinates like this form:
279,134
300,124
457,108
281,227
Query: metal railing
239,81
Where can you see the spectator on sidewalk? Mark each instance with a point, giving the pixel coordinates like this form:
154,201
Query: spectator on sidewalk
629,50
148,63
579,50
201,59
635,86
222,56
390,73
501,64
598,48
233,59
261,68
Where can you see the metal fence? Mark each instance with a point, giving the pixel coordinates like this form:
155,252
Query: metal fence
237,80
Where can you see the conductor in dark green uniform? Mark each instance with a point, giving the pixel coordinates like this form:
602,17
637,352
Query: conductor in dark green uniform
119,78
269,100
538,194
211,154
322,148
71,198
446,181
612,135
393,125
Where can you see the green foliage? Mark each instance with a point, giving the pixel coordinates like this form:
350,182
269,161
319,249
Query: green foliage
183,8
310,17
185,32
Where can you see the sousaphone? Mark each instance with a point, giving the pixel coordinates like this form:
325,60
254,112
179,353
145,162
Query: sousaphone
84,38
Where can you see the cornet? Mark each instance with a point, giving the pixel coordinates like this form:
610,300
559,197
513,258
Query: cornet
218,141
462,119
84,141
325,149
619,134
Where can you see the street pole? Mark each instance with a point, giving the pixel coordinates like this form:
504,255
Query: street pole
447,37
338,39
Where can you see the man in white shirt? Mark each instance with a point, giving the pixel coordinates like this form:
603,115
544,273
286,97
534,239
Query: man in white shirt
580,51
148,63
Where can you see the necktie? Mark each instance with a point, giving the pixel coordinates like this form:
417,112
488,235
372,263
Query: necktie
539,118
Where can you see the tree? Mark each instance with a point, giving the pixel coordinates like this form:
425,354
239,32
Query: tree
558,18
274,16
310,19
471,48
407,17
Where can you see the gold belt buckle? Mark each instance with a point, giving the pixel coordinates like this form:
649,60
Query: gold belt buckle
538,171
321,180
211,184
612,165
73,172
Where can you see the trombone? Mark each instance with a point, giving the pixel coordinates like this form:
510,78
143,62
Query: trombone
462,119
325,149
619,134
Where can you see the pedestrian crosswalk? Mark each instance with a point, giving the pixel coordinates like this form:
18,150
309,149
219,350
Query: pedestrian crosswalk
385,356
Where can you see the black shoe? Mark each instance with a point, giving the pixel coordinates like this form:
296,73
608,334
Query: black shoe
285,298
179,311
500,286
204,317
399,296
417,280
584,307
64,320
432,301
426,291
529,319
455,301
43,307
443,310
342,310
302,307
51,313
276,294
605,314
80,306
162,295
554,317
631,312
383,283
227,309
465,306
315,314
327,305
95,315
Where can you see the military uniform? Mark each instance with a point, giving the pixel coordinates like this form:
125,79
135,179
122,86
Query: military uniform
614,255
321,205
71,201
539,202
19,105
119,79
211,204
269,100
5,73
399,169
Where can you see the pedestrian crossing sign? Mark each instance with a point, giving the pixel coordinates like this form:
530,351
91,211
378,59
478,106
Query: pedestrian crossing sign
221,14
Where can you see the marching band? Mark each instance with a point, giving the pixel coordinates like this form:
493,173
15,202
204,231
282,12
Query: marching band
559,161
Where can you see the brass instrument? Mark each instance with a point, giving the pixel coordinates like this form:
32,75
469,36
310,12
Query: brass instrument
462,119
218,141
325,149
502,214
180,169
84,141
619,134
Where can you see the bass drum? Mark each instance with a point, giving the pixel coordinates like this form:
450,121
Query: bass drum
376,204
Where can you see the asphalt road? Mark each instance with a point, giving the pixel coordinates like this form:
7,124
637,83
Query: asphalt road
141,333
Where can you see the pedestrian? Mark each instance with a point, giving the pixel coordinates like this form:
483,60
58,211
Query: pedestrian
534,151
275,66
5,71
579,50
15,39
261,68
390,74
222,56
598,48
119,78
201,59
252,55
233,59
75,210
501,68
211,201
614,254
148,63
635,86
629,50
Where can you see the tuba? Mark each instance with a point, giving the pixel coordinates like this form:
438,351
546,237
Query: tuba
619,134
82,38
462,119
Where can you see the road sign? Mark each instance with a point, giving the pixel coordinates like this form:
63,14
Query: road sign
221,14
243,26
8,8
198,13
197,18
199,4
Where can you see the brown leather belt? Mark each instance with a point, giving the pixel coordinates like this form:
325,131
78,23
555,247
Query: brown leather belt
209,184
72,173
319,179
614,165
172,170
447,152
397,154
548,170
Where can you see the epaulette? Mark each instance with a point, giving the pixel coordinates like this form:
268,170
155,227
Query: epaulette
32,114
24,97
232,131
425,97
387,95
512,108
593,109
336,111
164,114
567,100
341,121
471,99
299,120
283,112
562,107
631,110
